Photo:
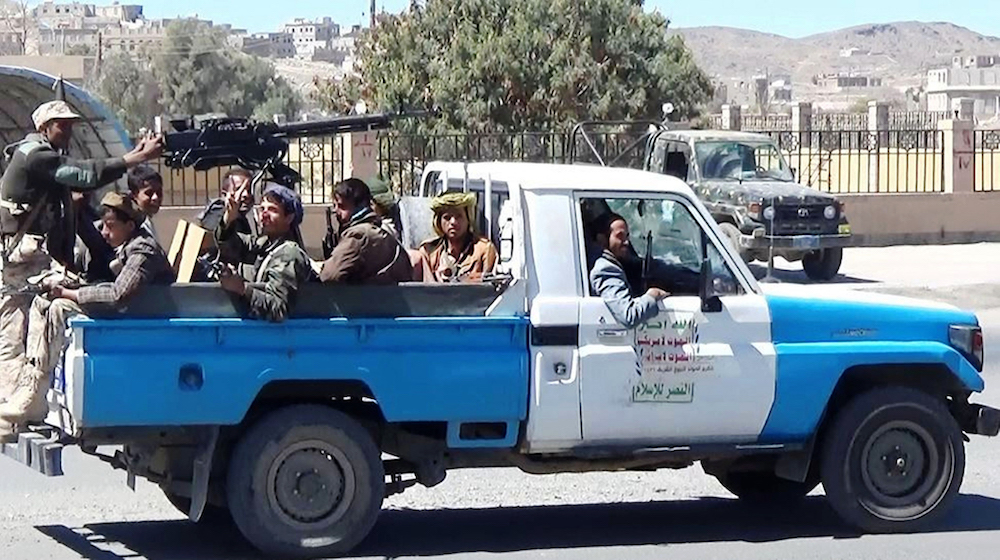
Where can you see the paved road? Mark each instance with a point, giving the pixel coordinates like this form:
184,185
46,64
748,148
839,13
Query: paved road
90,513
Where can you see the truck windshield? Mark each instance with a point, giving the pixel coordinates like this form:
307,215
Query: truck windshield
743,161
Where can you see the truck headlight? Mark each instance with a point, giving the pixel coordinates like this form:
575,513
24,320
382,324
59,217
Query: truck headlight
768,213
968,339
830,212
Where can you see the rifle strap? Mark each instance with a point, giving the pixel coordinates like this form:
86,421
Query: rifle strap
11,243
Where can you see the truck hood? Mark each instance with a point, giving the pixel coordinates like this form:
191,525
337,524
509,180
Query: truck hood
812,314
781,192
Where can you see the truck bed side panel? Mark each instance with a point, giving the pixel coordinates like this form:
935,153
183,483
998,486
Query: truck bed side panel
209,371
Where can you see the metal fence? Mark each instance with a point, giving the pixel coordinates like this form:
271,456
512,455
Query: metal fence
986,161
846,161
838,161
898,121
318,160
402,157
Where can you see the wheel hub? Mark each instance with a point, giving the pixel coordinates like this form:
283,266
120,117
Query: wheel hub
896,463
309,484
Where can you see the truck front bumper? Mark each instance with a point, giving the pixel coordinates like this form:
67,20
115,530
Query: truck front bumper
795,242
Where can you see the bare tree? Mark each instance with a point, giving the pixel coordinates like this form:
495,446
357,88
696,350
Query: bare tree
18,27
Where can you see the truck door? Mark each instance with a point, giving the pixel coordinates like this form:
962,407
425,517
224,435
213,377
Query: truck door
685,376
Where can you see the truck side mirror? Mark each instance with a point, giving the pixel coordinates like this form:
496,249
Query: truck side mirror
710,302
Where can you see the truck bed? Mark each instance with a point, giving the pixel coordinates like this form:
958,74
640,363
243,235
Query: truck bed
183,356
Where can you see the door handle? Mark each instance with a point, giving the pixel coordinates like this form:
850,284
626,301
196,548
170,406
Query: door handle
612,333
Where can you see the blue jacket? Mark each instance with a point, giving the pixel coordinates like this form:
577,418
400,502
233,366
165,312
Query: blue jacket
609,281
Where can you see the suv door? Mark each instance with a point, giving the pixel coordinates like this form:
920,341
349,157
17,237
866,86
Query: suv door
687,375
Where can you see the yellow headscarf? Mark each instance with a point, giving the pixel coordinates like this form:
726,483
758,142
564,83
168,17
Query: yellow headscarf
454,200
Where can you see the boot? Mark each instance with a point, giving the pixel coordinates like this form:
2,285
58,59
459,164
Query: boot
8,431
28,403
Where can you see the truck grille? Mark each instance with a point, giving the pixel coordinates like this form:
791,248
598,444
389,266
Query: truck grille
802,219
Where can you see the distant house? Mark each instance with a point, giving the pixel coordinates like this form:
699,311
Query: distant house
975,77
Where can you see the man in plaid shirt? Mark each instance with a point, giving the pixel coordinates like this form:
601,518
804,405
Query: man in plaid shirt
139,260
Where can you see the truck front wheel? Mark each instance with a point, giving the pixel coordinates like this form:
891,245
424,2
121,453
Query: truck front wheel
893,460
823,264
305,481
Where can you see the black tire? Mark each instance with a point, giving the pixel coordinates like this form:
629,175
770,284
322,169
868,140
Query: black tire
824,264
211,515
329,453
761,488
733,234
893,461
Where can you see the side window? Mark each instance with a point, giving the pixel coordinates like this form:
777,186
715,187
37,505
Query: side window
678,160
664,247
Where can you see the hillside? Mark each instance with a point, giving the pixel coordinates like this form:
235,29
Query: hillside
901,53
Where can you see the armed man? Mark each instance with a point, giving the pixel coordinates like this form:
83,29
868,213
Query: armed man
280,264
36,216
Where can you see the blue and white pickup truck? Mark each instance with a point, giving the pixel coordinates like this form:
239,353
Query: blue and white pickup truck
299,430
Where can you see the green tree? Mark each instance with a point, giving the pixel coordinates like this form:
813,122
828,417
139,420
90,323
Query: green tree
198,72
511,65
128,90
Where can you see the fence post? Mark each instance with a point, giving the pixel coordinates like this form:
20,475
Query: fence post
360,155
878,139
802,116
957,154
732,118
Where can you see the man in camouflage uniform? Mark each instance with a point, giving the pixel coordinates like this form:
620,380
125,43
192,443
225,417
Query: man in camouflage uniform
280,265
139,260
36,216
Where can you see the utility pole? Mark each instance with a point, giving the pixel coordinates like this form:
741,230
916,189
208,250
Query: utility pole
373,14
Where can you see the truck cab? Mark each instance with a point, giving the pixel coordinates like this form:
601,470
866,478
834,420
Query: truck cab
299,430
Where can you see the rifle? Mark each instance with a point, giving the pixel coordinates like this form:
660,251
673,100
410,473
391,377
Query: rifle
212,267
330,239
647,262
217,140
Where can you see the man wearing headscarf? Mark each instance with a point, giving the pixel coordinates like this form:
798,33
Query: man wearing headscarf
280,264
138,260
386,207
366,253
459,253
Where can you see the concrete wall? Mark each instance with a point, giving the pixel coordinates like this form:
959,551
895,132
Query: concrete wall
917,219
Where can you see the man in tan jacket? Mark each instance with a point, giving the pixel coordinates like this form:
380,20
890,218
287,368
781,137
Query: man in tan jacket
366,253
459,253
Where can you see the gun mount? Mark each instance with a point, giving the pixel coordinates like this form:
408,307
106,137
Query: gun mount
261,147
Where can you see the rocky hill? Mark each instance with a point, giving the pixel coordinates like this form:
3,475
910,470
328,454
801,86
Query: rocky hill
900,53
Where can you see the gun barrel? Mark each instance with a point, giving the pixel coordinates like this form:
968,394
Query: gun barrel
340,125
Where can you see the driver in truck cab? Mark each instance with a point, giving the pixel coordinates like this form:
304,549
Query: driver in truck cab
608,278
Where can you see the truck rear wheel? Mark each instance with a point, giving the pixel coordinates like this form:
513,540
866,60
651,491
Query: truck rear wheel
893,460
305,481
823,264
765,488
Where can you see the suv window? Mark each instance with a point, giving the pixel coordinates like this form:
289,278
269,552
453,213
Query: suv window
672,157
742,160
